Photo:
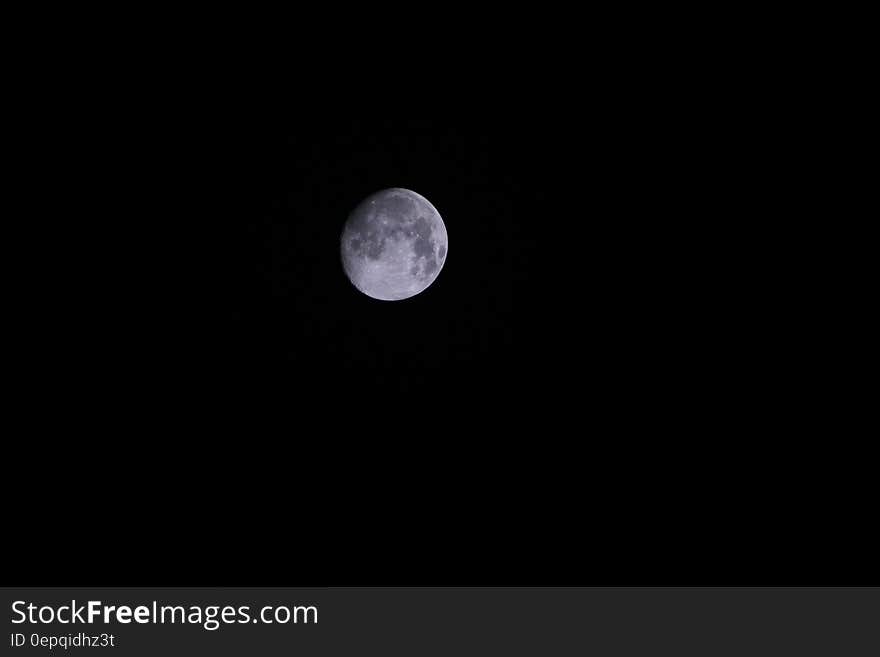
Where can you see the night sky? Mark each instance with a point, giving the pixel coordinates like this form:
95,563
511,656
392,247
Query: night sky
525,408
298,313
580,397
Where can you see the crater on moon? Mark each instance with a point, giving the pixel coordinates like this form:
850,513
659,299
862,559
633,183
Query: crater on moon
393,244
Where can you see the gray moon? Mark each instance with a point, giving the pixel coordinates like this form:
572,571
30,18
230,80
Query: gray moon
393,244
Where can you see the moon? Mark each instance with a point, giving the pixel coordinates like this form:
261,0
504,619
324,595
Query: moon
393,245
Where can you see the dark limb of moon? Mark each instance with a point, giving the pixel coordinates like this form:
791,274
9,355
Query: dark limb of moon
394,244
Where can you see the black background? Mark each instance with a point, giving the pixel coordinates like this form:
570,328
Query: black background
601,387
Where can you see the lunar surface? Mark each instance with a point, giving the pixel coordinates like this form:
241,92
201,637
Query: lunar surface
393,244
